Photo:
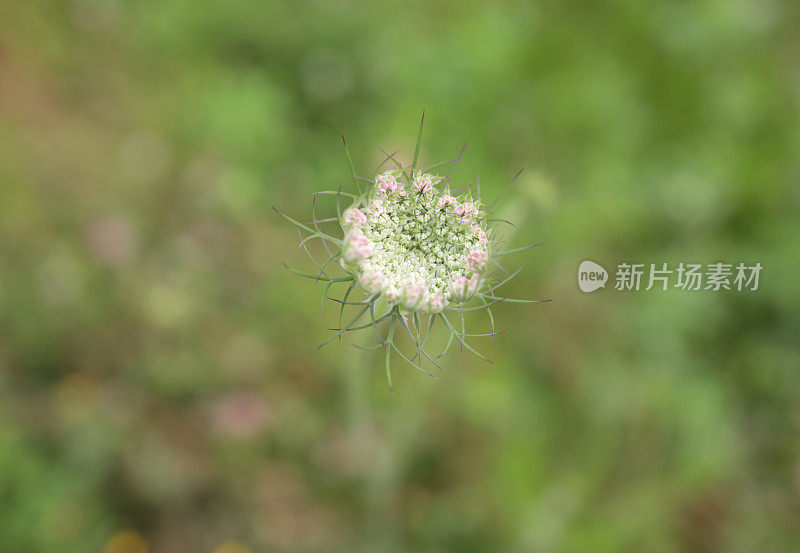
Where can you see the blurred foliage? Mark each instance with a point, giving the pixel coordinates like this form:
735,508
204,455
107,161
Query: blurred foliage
160,389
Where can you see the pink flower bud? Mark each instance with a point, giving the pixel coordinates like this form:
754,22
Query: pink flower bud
391,295
480,233
466,210
459,289
477,260
356,247
462,288
446,200
372,281
436,304
353,217
413,295
423,184
386,182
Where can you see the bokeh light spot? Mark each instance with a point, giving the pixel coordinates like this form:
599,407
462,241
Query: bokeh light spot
127,541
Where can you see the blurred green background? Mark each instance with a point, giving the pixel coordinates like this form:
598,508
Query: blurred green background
160,387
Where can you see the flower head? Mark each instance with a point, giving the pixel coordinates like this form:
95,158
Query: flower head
418,247
412,249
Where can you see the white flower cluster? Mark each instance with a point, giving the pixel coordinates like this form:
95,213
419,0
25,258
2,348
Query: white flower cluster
417,246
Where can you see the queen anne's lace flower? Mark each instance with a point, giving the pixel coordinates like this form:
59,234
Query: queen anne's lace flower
416,250
422,249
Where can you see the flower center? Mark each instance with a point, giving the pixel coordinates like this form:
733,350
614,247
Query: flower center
416,245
